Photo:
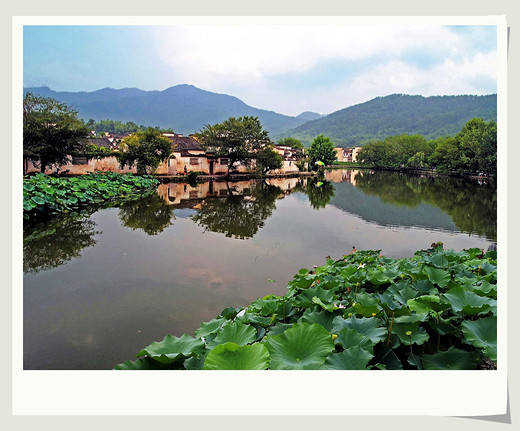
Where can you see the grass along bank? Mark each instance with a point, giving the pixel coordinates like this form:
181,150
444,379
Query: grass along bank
434,311
45,195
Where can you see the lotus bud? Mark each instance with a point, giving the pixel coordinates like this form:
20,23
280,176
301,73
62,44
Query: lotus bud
334,336
409,333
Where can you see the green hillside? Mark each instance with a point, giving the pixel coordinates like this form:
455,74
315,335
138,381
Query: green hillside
397,114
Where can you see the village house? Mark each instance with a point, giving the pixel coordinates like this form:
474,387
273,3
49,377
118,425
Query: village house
347,154
290,157
187,156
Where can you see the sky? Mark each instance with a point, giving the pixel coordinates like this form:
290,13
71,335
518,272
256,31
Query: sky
288,68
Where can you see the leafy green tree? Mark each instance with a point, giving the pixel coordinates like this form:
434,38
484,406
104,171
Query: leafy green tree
268,159
52,131
145,149
322,149
291,142
236,139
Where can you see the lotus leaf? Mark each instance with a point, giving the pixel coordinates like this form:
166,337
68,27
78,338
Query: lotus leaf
418,334
235,332
425,287
328,307
482,333
405,294
485,288
451,359
229,313
370,327
210,327
253,318
304,299
278,328
427,303
172,348
468,302
322,318
349,338
439,277
195,362
386,357
231,356
302,347
353,358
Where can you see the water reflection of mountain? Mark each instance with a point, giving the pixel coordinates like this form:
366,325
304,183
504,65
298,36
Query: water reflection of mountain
394,199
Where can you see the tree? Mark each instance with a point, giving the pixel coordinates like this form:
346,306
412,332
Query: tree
146,149
291,142
236,139
52,131
322,149
268,159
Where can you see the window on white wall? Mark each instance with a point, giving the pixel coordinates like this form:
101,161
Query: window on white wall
194,161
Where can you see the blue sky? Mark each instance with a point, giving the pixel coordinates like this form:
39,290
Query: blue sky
285,68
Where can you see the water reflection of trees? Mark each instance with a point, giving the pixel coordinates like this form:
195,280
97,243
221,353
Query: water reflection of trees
55,242
150,214
239,216
318,190
472,207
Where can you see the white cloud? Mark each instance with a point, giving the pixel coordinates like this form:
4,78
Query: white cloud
243,58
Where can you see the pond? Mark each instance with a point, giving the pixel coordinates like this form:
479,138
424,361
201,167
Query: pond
102,284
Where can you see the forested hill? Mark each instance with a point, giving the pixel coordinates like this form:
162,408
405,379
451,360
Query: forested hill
397,114
183,108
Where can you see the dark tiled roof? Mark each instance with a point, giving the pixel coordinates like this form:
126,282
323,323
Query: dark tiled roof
185,143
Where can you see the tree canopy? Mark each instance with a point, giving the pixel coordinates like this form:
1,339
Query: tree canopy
52,131
145,149
322,150
236,139
473,149
268,159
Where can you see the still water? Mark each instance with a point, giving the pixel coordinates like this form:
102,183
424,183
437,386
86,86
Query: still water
101,285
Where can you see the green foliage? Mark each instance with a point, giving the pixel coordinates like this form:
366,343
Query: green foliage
44,195
473,149
51,131
322,150
268,159
236,139
364,311
145,149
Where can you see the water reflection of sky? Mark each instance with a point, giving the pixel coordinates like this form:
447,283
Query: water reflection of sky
131,288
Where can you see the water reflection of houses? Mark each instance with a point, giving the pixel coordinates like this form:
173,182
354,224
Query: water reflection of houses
190,196
342,175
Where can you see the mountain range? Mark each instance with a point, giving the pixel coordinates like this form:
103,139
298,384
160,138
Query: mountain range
184,108
187,109
398,114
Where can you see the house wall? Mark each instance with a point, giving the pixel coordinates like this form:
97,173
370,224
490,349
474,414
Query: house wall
105,164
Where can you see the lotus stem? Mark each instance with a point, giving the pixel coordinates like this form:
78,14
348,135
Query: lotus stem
390,330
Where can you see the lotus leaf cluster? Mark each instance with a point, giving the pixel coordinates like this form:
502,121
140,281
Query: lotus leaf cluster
43,194
434,311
